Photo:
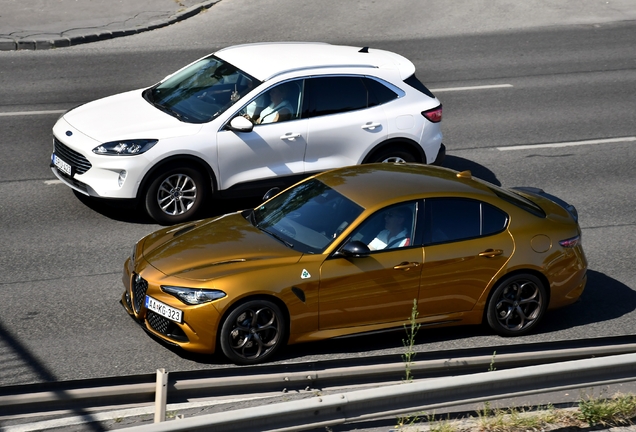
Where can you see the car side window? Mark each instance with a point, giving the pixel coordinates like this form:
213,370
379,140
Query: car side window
378,92
454,219
333,95
390,228
279,103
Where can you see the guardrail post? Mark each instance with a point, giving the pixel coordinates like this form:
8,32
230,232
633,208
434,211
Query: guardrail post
161,395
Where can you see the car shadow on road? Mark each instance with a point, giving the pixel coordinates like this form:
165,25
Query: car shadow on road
604,299
131,211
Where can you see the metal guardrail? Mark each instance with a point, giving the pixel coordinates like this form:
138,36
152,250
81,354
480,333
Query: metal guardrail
315,376
410,397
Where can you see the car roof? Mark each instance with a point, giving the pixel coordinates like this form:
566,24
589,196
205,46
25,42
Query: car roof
376,185
269,59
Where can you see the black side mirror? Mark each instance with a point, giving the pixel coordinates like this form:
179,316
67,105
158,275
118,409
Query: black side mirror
270,193
354,249
240,124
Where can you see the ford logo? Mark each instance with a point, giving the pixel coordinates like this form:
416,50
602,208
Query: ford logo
69,133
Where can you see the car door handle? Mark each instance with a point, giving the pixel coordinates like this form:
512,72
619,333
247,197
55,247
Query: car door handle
291,136
371,125
406,265
491,253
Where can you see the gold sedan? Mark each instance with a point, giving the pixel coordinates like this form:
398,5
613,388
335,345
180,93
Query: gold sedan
348,251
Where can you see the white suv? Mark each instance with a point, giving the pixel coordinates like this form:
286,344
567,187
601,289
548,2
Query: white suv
245,119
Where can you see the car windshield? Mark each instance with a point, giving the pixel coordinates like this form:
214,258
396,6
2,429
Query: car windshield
202,91
307,217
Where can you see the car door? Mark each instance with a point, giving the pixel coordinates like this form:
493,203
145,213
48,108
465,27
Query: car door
379,287
270,150
465,245
345,121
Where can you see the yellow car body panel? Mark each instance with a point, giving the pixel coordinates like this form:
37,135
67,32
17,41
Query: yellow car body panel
323,291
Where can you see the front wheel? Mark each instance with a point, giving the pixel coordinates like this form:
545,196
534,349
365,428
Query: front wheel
517,305
175,195
252,332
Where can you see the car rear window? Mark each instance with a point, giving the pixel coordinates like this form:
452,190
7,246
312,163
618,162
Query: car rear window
519,201
417,84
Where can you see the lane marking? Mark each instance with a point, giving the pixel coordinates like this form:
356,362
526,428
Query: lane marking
53,182
484,87
568,144
27,113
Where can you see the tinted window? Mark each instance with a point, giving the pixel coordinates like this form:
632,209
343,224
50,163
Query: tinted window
453,219
493,220
378,92
332,95
417,84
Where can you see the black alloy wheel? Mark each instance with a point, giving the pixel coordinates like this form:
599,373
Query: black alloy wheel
517,305
252,332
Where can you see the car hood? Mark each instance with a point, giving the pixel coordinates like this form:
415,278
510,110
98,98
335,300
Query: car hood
126,116
213,248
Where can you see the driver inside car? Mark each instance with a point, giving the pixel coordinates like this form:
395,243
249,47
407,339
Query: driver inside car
395,233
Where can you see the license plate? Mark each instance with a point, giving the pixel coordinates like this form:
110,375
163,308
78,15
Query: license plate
61,165
164,310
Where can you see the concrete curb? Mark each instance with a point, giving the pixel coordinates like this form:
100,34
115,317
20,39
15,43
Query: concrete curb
49,41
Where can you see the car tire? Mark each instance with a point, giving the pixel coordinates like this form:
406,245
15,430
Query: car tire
175,195
395,154
252,332
516,305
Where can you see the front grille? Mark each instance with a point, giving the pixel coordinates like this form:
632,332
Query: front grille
158,323
165,327
139,288
75,159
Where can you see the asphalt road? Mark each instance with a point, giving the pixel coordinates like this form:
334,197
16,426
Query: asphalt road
62,257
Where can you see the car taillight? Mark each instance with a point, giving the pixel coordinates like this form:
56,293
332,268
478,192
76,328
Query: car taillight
571,242
433,115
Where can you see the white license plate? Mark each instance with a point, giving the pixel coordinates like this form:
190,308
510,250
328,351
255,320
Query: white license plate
61,165
164,310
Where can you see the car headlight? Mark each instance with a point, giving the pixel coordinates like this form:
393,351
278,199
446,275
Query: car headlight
193,296
125,147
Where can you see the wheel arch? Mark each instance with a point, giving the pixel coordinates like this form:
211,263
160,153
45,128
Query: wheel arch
533,272
406,143
178,160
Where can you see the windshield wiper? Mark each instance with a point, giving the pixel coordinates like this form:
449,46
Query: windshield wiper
279,238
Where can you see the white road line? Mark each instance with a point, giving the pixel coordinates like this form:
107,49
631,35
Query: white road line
53,182
485,87
27,113
568,144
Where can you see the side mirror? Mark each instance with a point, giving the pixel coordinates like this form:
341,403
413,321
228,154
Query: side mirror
270,193
354,249
240,124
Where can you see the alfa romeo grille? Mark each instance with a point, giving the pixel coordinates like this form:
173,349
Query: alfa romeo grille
158,322
71,157
139,288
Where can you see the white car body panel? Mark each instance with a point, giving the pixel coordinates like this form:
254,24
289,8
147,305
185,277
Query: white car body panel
293,147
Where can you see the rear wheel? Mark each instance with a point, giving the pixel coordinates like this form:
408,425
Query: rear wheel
175,195
517,305
394,154
252,332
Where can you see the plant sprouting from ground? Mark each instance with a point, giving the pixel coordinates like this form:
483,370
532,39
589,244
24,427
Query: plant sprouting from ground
492,367
411,330
618,410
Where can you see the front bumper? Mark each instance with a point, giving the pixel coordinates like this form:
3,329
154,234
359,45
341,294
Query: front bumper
197,333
